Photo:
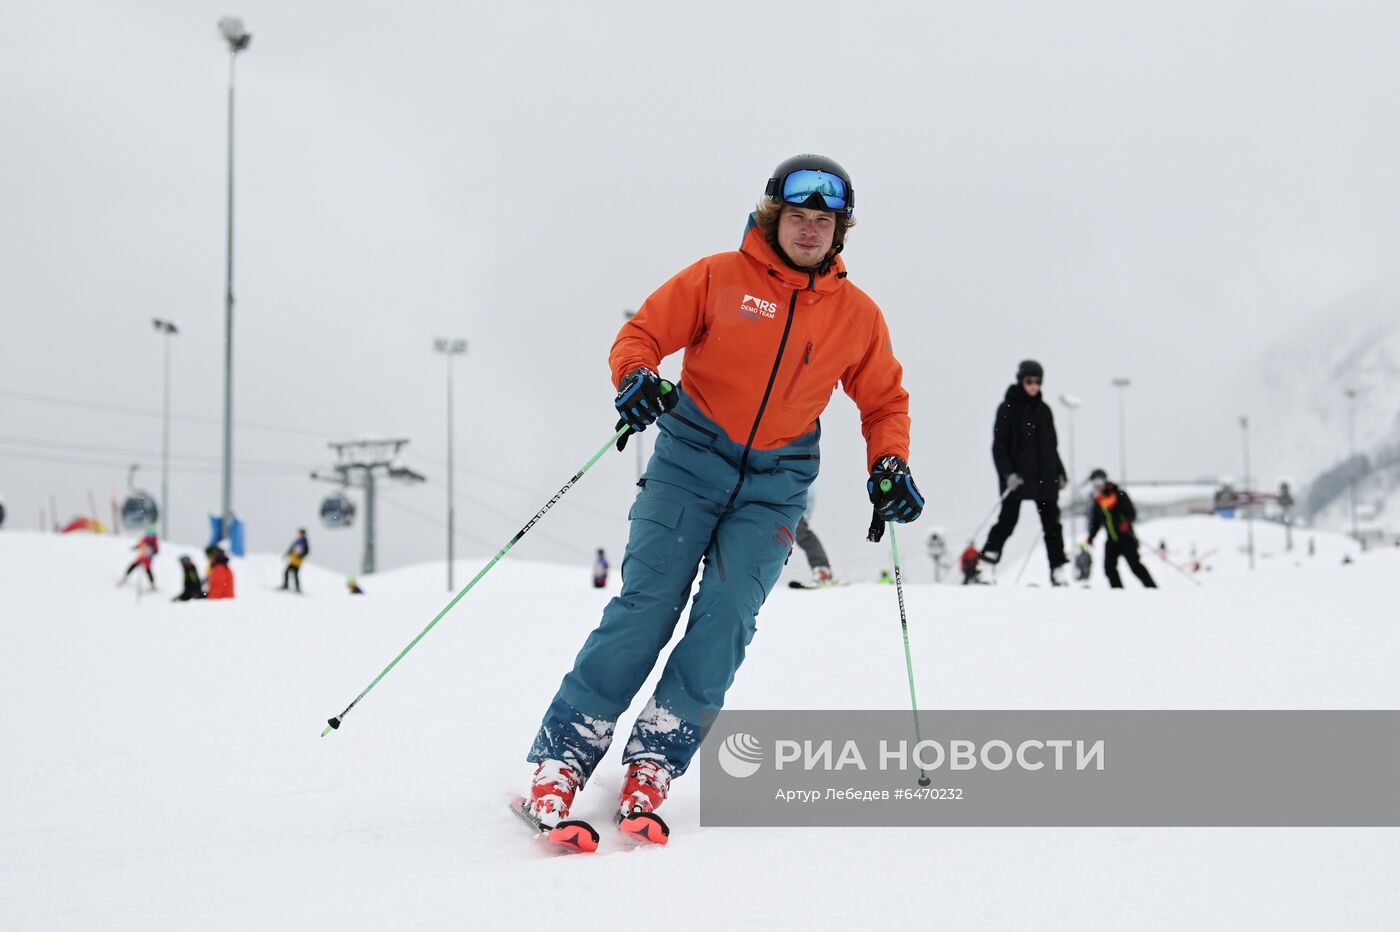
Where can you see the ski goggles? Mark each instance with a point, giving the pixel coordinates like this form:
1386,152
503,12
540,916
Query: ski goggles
800,187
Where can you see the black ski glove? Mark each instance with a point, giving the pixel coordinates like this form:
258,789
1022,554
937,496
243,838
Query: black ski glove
893,492
642,398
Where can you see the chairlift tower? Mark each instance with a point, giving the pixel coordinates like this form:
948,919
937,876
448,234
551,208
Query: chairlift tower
360,464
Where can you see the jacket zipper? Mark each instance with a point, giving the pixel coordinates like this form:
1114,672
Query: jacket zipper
801,368
768,391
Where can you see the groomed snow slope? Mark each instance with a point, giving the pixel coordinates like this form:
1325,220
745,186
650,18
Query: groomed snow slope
163,767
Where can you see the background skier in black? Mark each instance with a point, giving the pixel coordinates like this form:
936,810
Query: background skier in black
1113,511
1025,450
192,585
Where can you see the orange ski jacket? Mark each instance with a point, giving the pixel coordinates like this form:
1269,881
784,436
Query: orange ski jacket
766,345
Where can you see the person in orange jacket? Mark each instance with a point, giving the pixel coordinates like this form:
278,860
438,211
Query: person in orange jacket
768,332
220,584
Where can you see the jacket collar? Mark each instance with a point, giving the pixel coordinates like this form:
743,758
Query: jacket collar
1015,394
758,249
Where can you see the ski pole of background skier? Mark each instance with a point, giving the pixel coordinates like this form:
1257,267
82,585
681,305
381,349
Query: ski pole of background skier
1178,567
334,722
985,521
1029,553
876,521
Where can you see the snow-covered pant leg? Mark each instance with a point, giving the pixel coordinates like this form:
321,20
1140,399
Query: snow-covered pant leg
1049,509
743,564
1006,523
1111,552
670,528
811,546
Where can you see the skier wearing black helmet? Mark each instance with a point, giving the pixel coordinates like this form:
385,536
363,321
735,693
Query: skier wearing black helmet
1113,511
1025,451
768,332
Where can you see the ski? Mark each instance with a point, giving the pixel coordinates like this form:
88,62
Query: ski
798,584
570,835
644,828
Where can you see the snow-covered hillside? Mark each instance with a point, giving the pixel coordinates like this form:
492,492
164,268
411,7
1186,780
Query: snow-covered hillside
1353,345
163,767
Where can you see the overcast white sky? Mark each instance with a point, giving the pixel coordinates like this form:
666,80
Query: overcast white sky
1115,189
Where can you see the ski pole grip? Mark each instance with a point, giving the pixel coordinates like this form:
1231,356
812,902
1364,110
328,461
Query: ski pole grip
669,396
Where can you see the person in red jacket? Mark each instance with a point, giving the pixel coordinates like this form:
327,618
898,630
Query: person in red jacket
146,549
220,585
968,562
768,332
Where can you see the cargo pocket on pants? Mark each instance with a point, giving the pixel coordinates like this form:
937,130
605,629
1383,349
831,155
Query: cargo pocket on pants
653,537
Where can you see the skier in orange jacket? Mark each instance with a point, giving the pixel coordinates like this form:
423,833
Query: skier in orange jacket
768,332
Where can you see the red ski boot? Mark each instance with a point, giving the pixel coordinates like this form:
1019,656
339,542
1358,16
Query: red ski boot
643,792
547,808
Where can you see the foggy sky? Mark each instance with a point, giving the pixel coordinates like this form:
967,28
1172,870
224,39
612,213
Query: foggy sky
1114,189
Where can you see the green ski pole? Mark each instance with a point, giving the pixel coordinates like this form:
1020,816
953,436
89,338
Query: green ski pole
885,486
334,722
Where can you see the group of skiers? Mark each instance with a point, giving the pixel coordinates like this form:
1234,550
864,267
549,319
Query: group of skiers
218,581
768,332
1025,451
216,584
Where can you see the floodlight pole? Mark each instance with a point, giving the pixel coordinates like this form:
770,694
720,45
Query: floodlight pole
237,39
1249,496
168,329
1121,384
450,348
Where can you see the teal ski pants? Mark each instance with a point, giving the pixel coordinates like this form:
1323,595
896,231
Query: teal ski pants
702,502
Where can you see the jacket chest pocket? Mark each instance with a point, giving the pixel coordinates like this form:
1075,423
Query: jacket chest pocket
803,365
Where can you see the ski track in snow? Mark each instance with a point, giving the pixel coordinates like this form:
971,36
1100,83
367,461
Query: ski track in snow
163,767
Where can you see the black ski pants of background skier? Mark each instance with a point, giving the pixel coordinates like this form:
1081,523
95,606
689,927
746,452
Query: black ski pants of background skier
1049,508
142,562
292,574
1126,546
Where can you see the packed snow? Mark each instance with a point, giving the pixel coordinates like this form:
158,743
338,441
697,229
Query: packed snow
164,767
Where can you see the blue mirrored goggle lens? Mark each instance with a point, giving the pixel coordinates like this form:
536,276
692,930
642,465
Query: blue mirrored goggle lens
801,185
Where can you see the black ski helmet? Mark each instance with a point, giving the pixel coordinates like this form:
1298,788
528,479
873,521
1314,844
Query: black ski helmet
809,162
1029,367
1098,474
